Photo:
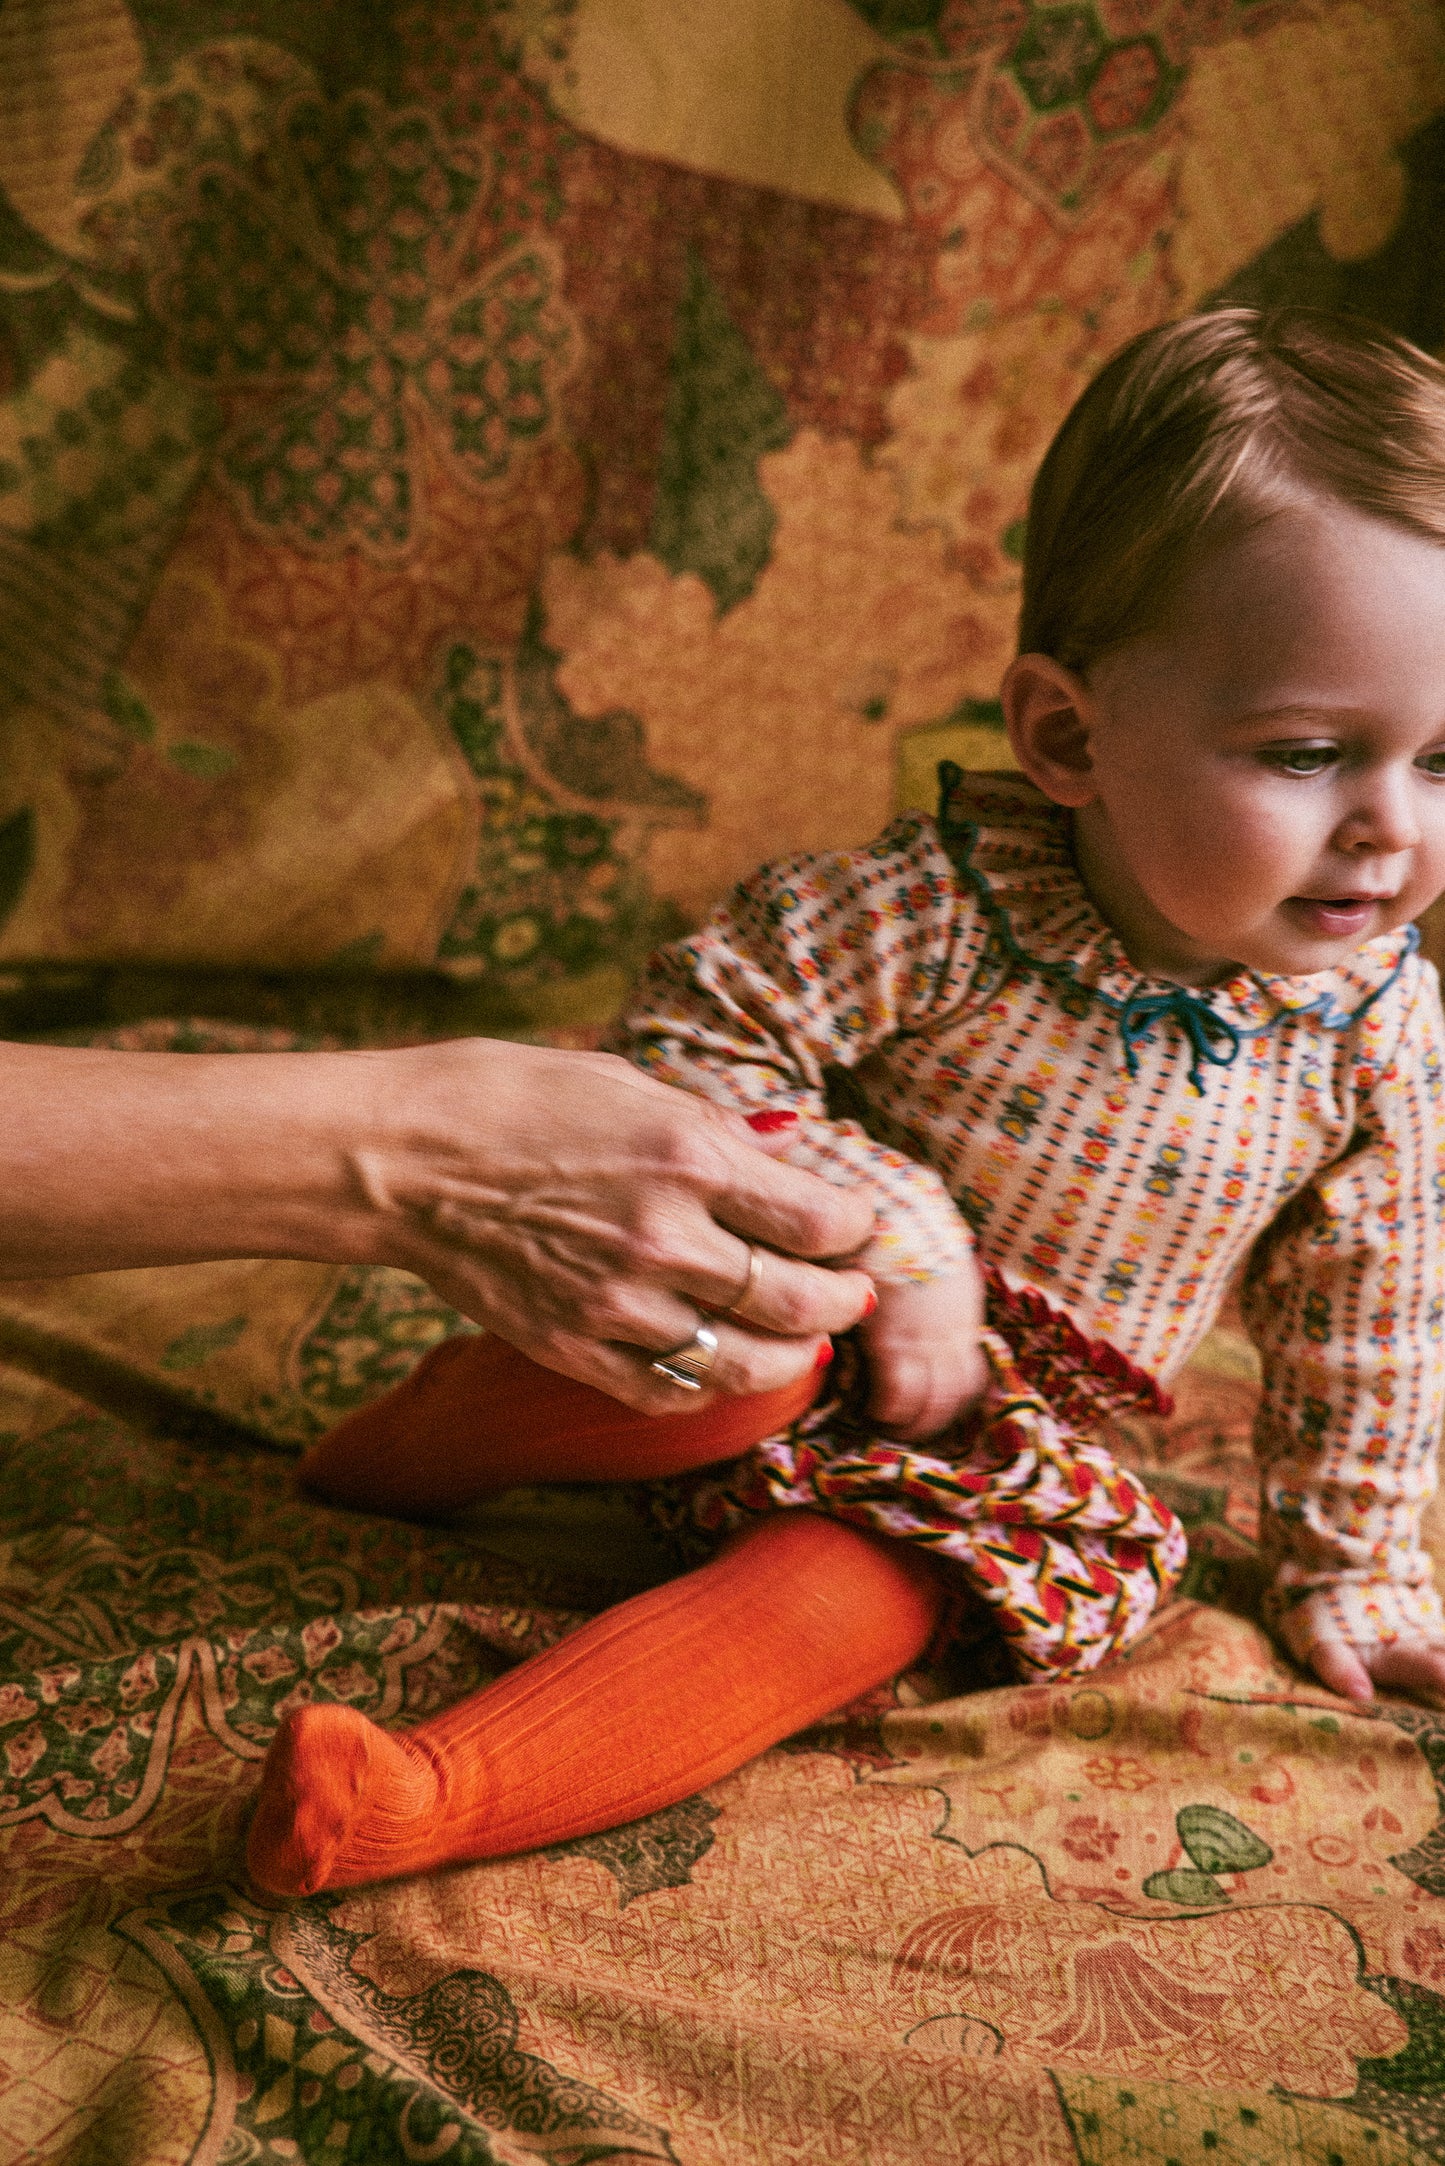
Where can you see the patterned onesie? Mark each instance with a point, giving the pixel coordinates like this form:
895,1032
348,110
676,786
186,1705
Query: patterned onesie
952,1020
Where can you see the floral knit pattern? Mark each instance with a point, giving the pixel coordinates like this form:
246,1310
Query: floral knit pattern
951,1019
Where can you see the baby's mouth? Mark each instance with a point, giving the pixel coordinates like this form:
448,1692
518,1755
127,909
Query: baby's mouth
1337,917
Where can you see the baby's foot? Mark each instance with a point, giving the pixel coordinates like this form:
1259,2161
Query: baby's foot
342,1803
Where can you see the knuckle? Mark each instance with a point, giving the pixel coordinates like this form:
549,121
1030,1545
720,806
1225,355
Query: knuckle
608,1065
735,1375
652,1395
652,1248
892,1399
602,1312
815,1227
692,1145
794,1309
752,1366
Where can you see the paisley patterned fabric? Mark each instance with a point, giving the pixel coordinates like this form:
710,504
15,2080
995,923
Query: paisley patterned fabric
1188,1896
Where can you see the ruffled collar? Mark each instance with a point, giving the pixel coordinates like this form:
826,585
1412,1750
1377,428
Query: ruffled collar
1011,845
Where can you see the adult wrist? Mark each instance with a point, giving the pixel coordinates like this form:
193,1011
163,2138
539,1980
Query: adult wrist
112,1160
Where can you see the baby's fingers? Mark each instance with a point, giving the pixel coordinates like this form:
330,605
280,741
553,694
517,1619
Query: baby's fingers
914,1397
1341,1669
1417,1670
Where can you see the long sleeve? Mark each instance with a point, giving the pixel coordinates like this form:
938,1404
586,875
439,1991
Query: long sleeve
811,965
1344,1301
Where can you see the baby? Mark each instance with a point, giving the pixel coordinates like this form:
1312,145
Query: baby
1105,1031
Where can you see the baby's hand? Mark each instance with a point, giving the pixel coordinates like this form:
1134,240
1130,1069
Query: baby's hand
924,1359
1417,1669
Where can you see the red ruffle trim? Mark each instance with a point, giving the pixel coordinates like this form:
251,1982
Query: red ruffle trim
1084,1380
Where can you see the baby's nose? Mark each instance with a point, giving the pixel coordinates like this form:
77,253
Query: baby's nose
1384,822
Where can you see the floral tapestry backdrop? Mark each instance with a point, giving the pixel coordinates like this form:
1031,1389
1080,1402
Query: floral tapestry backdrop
474,479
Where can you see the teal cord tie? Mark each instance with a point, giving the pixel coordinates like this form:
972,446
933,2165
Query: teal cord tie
1210,1037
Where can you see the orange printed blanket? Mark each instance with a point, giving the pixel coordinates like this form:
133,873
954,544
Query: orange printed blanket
1190,1906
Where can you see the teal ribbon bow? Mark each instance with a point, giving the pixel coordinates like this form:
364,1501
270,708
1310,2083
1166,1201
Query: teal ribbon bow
1210,1037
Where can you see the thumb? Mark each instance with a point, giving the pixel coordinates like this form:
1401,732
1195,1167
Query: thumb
1341,1669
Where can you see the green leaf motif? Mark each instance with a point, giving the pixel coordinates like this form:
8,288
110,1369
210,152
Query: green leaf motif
127,710
17,857
712,516
552,897
647,1855
914,24
201,1341
375,1329
1013,538
602,757
1218,1843
1182,1886
207,763
1420,2063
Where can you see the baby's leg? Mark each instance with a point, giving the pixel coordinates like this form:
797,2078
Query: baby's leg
476,1416
645,1705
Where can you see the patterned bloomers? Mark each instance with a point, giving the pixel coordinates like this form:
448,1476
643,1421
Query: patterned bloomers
1068,1551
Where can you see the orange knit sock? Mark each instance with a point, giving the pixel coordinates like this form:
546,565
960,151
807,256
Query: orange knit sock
648,1703
476,1416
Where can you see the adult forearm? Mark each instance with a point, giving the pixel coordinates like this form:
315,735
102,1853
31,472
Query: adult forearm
109,1160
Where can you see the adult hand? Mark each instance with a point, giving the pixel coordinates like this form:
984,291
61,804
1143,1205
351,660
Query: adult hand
565,1200
592,1216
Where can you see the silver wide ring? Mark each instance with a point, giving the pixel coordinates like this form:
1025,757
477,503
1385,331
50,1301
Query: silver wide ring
688,1364
749,1287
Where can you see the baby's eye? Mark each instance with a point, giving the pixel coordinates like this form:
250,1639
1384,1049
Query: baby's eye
1301,759
1432,763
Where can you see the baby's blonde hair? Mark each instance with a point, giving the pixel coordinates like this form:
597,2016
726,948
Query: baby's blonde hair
1199,430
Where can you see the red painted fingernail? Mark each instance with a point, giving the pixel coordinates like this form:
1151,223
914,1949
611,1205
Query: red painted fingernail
768,1124
870,1306
825,1355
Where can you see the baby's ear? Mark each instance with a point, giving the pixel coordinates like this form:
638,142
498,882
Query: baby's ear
1050,715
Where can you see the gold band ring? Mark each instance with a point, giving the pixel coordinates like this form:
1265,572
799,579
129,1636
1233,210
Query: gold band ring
749,1285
